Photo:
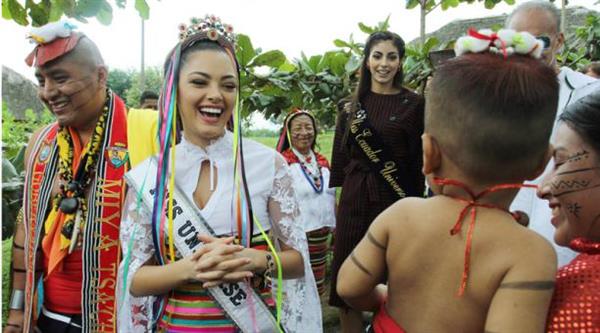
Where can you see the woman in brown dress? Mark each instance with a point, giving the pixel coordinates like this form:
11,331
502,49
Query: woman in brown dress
376,152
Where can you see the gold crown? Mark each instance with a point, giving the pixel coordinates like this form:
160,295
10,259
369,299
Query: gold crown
210,26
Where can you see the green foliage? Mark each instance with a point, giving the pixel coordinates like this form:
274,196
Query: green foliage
15,135
430,5
12,190
152,81
584,46
273,85
324,141
417,67
120,81
41,12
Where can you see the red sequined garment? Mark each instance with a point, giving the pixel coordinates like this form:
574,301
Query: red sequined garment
576,302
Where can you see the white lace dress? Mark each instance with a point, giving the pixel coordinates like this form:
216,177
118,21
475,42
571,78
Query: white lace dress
274,204
316,209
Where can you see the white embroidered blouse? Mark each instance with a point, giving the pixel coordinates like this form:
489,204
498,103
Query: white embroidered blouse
274,204
316,209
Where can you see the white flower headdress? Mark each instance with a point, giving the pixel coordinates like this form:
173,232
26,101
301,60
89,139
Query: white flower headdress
505,42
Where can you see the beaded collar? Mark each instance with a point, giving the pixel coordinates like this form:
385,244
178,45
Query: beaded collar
71,197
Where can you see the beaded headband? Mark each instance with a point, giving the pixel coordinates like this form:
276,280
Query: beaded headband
505,42
210,27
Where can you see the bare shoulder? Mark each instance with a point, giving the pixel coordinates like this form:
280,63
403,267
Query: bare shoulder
402,215
402,210
538,257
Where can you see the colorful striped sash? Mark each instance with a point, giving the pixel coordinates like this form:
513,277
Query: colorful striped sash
190,308
101,249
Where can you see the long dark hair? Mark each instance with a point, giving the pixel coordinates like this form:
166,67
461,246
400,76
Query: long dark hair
186,47
583,117
364,81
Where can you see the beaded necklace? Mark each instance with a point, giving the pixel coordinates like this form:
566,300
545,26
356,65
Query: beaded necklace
311,170
71,199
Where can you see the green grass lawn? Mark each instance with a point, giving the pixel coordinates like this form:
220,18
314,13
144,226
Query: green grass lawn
324,143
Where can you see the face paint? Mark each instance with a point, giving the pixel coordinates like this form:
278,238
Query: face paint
573,187
70,90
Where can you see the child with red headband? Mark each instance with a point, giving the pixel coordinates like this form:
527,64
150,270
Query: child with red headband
458,261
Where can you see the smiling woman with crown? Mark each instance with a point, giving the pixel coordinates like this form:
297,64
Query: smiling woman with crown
210,242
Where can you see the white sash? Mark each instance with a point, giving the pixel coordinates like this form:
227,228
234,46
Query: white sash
188,223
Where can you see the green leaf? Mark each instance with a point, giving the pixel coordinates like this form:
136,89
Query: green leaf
384,26
9,172
510,2
324,89
287,67
38,12
314,61
410,4
325,61
19,160
121,3
449,3
365,29
337,64
68,7
5,10
341,43
304,64
274,58
245,50
17,12
142,8
306,89
353,64
430,43
56,11
88,8
105,15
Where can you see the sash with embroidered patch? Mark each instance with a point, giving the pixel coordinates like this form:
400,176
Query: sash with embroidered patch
364,136
239,300
101,250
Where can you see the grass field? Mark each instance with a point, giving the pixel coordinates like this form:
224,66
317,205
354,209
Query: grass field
324,143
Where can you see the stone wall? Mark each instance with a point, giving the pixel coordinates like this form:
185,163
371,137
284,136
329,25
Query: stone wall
19,94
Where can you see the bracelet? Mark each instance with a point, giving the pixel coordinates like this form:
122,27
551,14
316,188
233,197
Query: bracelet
268,273
16,300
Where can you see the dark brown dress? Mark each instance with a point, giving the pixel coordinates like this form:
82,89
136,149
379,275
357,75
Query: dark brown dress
398,120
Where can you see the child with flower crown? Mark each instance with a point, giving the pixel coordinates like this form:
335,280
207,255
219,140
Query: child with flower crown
458,261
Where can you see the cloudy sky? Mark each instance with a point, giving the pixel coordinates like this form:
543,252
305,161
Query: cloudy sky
291,26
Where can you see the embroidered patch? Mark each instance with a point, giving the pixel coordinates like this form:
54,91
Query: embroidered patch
44,153
117,156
